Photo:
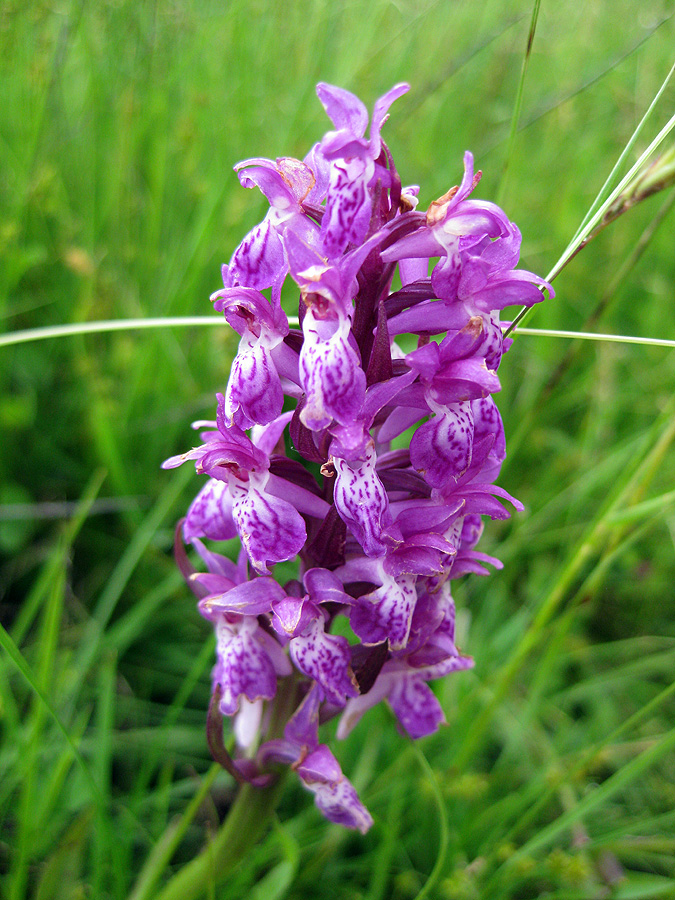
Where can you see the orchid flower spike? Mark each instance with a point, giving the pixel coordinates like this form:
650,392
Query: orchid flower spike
301,465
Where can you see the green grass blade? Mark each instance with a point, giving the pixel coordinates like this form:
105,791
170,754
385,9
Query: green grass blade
515,117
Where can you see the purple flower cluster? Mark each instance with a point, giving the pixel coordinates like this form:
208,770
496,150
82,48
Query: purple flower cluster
308,459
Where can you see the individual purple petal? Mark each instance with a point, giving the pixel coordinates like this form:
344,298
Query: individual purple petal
386,613
480,501
470,561
305,501
243,667
325,658
260,260
268,437
418,243
428,317
285,182
475,489
320,168
472,529
174,461
210,514
416,707
487,421
494,345
324,586
414,518
330,373
516,287
254,393
221,565
412,269
292,615
400,419
435,606
361,501
270,529
333,793
343,108
252,598
441,448
303,726
381,114
348,207
246,724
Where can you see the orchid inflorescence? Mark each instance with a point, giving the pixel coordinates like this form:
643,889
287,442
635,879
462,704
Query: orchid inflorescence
378,527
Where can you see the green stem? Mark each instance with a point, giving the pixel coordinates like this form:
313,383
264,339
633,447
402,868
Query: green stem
248,819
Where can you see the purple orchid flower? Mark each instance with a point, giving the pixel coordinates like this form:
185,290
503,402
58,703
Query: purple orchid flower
353,169
402,679
260,260
317,768
475,275
321,656
372,533
249,660
254,393
270,527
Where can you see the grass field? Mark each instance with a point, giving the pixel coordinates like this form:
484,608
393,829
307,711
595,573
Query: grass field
119,126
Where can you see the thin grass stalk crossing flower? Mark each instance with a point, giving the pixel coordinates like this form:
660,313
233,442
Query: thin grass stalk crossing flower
371,545
101,327
643,179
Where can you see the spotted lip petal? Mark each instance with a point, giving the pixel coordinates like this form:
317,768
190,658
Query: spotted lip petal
243,667
334,795
316,766
441,448
271,529
386,613
361,501
254,394
210,514
325,658
330,374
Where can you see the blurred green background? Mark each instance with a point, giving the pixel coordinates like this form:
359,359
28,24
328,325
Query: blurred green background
119,126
